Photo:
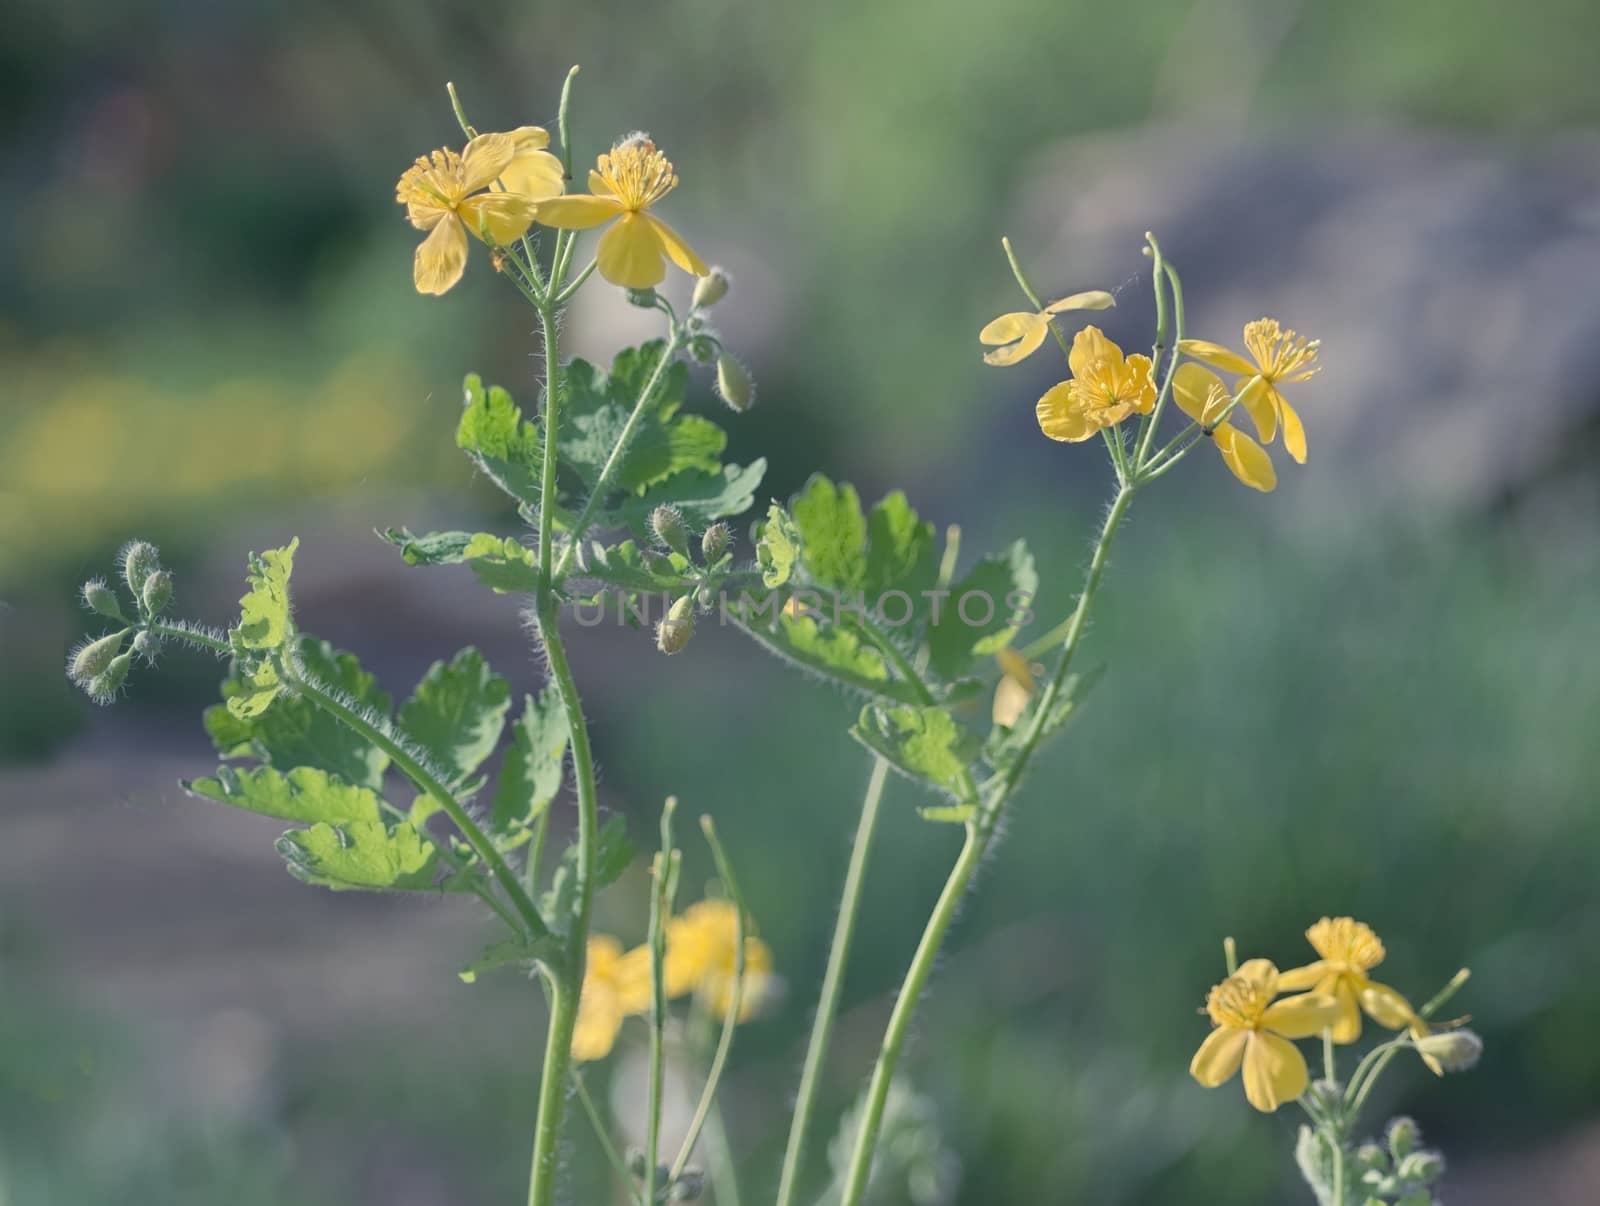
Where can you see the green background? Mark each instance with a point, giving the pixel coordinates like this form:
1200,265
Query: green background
1368,693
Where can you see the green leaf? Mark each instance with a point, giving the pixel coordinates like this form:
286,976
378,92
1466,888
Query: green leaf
504,565
510,953
264,610
295,732
530,776
777,547
836,653
833,534
457,711
925,743
259,685
613,852
304,794
997,592
701,496
500,441
435,548
624,567
901,554
361,855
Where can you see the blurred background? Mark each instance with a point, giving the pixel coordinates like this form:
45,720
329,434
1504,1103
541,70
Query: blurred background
1372,692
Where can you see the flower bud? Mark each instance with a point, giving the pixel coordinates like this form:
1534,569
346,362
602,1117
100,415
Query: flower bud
1403,1136
100,598
715,542
689,1186
667,525
157,592
645,299
103,688
710,289
676,631
93,658
1450,1050
734,385
703,348
139,560
1420,1168
1372,1158
146,644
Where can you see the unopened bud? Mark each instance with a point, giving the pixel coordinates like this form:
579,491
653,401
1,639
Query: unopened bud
103,688
657,562
734,385
715,542
703,348
139,560
93,658
677,630
157,592
1326,1095
1372,1158
645,299
710,289
146,644
1403,1137
100,598
1450,1050
689,1186
667,524
1420,1168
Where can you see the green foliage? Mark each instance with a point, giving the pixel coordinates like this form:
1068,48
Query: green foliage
457,712
628,567
504,565
504,445
510,953
304,794
434,548
362,855
294,731
778,547
264,610
924,743
832,533
613,852
701,496
997,587
531,774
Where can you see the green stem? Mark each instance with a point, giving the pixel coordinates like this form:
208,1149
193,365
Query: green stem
552,1090
482,846
577,283
844,927
664,869
618,1167
552,425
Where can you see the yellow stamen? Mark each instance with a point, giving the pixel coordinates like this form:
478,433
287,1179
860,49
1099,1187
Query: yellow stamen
637,174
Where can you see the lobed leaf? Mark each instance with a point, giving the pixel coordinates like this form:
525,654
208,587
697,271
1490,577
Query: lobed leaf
304,794
365,855
434,548
530,776
264,609
925,743
997,592
504,445
613,853
457,712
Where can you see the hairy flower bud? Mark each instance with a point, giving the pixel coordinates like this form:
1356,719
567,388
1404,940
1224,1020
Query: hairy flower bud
710,289
1372,1158
676,631
645,299
689,1186
93,658
1450,1050
146,644
1420,1168
139,560
667,525
734,385
157,592
703,348
1403,1137
100,598
103,688
715,542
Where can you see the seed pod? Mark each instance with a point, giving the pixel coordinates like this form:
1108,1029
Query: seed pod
103,688
734,385
710,289
157,592
92,658
715,542
100,598
667,524
677,630
139,560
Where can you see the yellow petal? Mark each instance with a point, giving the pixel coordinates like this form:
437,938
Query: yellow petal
1387,1007
679,252
716,989
578,212
1301,1015
1347,1026
424,216
529,138
1247,460
1010,702
441,257
599,185
1217,356
484,159
1297,979
630,253
1027,330
1090,347
1274,1072
1091,299
1219,1056
1294,434
1192,385
498,218
1144,400
599,1021
1256,399
537,175
1260,971
1060,417
632,976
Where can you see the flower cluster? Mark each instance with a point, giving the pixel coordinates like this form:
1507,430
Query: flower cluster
702,946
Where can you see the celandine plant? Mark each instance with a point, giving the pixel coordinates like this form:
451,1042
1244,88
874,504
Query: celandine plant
626,500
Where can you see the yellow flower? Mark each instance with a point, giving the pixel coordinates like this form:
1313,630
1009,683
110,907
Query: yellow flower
701,945
612,990
1349,950
444,194
1202,396
1104,390
1253,1032
1015,689
1024,332
623,186
1278,357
